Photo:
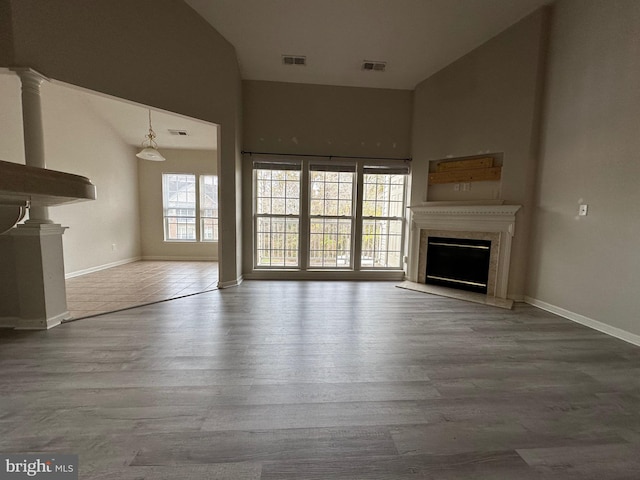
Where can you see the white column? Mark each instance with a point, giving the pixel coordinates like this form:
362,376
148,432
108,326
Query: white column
37,244
39,277
33,131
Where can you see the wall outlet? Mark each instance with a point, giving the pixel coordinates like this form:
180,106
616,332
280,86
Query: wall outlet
583,210
113,247
466,187
456,187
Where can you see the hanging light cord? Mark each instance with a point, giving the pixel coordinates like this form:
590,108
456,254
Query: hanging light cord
150,137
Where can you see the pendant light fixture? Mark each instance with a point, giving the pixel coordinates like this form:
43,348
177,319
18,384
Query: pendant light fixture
150,147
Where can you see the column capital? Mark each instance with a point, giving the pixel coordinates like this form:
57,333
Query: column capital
31,80
30,74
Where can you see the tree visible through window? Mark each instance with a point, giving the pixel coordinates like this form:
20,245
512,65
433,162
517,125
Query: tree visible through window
382,218
331,216
277,197
323,208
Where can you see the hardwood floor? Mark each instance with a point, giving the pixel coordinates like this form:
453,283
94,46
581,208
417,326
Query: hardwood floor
324,380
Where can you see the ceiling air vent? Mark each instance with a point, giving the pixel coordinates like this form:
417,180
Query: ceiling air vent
294,60
180,133
374,66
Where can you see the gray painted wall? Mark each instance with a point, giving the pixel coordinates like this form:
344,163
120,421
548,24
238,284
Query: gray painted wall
320,120
591,154
488,101
6,34
326,120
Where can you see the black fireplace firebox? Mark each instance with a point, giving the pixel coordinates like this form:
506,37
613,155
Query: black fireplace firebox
459,263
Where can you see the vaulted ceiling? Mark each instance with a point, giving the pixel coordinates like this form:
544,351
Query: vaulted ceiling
415,38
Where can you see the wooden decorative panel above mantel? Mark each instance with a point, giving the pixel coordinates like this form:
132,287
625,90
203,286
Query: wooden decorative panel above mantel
466,171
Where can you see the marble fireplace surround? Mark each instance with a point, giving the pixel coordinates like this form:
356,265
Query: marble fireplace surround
494,222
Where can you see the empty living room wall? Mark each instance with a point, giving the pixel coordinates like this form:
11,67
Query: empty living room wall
560,98
588,267
488,102
304,119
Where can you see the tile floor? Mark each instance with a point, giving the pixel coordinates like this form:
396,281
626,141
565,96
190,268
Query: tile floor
137,283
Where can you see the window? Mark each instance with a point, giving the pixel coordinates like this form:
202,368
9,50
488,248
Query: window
382,218
331,216
179,198
342,215
209,208
190,208
277,197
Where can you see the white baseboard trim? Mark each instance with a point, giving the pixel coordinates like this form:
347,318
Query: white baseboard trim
40,323
232,283
382,275
518,297
586,321
101,267
179,259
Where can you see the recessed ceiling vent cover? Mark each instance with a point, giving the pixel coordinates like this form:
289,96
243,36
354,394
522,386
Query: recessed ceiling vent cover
180,133
294,60
374,66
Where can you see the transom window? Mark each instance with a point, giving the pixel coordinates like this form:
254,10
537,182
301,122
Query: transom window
338,216
190,207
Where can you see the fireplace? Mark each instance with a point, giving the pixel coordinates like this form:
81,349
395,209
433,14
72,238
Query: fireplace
459,263
491,226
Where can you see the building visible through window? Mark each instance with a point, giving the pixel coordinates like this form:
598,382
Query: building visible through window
190,207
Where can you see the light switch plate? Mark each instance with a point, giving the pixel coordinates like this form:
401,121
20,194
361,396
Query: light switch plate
582,211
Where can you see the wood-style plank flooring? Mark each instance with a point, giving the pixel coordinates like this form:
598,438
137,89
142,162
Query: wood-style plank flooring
324,380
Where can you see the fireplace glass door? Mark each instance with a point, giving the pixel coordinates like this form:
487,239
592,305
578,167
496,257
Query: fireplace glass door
458,263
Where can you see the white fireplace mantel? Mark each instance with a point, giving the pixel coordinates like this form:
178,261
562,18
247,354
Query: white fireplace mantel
465,218
476,218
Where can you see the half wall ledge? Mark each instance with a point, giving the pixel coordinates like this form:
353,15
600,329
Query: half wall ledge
23,186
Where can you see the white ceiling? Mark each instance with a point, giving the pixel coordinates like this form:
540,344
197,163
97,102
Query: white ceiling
415,37
131,122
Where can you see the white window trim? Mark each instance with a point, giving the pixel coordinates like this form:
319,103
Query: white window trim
305,217
197,217
403,227
257,216
352,167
